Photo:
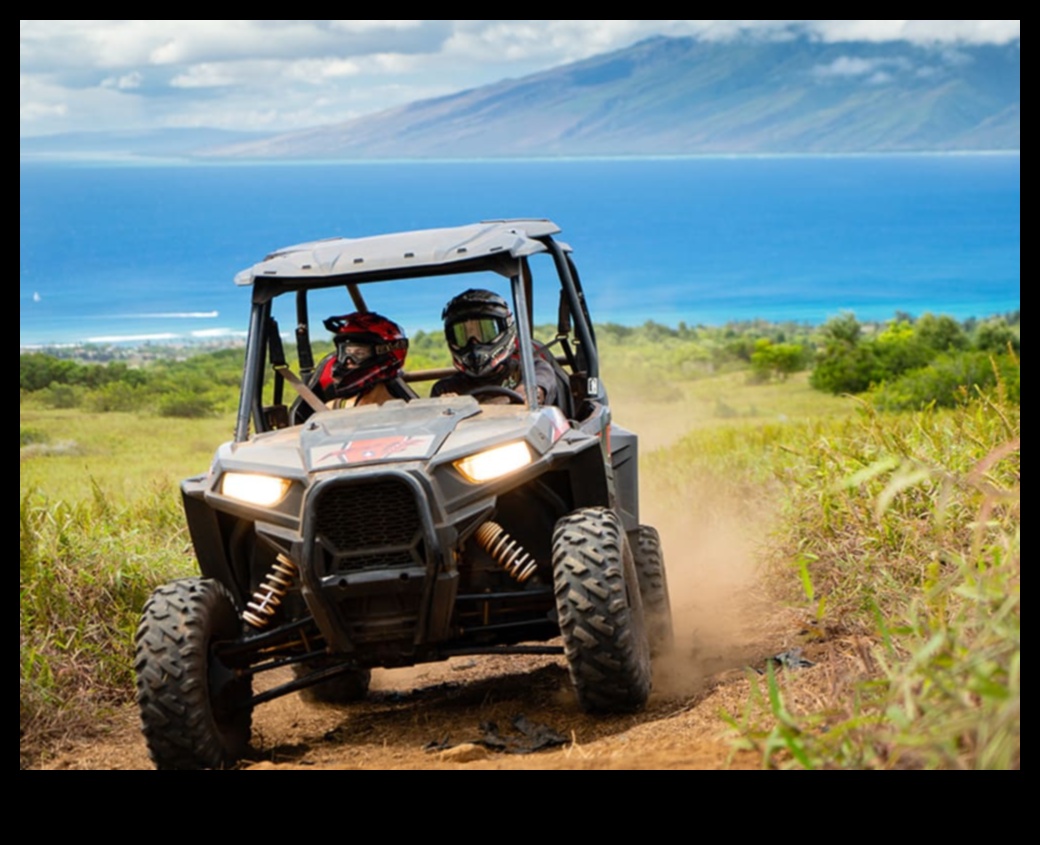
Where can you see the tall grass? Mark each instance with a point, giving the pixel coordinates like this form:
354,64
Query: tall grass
901,545
86,569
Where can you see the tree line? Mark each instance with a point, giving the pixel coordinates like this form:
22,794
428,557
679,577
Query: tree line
904,363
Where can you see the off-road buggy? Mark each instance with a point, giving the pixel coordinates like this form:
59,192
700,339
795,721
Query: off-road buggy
336,541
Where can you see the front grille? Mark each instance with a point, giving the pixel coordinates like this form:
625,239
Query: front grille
366,526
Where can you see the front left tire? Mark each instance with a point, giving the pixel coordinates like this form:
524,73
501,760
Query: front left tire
600,612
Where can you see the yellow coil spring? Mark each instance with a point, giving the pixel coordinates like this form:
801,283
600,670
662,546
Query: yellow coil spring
506,551
270,593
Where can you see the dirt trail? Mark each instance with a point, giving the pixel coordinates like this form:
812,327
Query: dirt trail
460,705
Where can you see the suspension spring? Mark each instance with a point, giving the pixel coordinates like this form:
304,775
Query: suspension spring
506,551
269,594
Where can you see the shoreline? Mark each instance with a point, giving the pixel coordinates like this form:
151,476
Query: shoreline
129,159
166,346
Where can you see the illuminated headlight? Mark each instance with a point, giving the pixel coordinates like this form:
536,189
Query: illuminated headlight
264,490
494,463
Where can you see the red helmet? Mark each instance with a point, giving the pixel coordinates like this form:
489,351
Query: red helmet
369,349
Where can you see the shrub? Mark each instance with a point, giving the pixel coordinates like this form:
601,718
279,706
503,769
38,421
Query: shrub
62,396
115,396
28,436
776,359
186,405
946,382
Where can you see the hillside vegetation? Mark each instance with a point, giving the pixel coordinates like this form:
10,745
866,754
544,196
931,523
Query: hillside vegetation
896,542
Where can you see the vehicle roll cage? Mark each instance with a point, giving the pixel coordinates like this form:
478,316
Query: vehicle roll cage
579,353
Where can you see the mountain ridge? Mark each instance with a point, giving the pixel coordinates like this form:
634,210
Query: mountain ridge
683,96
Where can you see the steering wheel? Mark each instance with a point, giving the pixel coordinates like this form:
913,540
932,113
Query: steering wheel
513,396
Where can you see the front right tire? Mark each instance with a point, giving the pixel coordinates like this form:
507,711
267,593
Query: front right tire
600,611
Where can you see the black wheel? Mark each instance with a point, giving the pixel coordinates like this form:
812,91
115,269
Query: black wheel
601,612
344,688
194,709
653,586
514,397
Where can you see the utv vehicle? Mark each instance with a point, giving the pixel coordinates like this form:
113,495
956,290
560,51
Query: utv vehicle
336,541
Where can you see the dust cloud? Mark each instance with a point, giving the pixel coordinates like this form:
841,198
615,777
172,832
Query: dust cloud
711,542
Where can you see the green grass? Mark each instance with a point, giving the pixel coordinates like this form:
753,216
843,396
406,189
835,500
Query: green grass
100,526
122,454
898,546
896,543
86,569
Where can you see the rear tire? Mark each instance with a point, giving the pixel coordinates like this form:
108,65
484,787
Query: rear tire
194,710
601,612
653,585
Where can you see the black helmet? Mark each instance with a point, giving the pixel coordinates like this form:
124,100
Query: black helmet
481,332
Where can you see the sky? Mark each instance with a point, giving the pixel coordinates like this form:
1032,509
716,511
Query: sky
275,76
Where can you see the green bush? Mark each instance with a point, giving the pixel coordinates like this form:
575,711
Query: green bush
62,396
115,396
777,360
948,381
909,363
186,405
996,336
28,436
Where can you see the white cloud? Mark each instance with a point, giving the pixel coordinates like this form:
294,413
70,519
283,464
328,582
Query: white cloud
845,66
283,74
206,75
921,31
126,82
31,112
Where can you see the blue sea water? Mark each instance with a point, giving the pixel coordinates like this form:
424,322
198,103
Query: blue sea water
135,251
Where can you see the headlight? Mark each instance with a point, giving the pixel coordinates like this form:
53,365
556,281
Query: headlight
264,490
494,463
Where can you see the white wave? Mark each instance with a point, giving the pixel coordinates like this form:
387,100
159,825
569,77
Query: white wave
132,338
225,332
173,315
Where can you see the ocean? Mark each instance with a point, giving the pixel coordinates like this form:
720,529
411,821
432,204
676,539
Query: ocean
134,252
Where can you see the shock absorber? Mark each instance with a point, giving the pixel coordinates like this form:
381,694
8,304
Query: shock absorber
493,538
270,593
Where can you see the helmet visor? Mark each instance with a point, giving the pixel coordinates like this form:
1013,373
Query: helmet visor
480,329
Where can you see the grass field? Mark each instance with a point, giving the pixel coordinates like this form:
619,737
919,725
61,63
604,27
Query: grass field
896,539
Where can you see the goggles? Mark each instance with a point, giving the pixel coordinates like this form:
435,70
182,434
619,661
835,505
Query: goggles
354,354
480,329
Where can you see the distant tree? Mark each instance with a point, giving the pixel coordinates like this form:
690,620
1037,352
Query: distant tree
941,334
843,364
845,329
777,359
951,379
996,335
37,370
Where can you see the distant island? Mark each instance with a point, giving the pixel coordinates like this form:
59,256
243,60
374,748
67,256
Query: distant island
662,96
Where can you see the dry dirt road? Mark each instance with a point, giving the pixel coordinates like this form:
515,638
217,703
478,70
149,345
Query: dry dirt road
467,712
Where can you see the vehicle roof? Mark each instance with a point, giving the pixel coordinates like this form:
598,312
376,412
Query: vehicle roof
422,250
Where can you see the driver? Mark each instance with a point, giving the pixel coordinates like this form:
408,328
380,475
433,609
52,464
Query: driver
481,335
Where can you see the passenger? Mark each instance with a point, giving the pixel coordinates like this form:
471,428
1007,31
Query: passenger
481,335
365,368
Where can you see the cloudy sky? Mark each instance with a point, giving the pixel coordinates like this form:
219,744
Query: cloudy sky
283,75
